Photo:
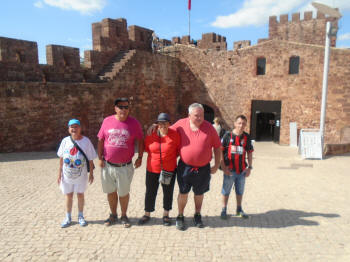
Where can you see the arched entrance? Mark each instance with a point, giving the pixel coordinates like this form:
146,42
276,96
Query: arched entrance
208,113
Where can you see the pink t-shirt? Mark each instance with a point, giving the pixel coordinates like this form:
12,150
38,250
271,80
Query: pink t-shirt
196,146
119,138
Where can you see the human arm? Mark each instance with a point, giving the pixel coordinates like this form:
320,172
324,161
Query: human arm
138,161
91,174
250,164
217,158
60,171
100,149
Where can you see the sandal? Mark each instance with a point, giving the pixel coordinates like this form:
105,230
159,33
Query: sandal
144,220
166,221
125,221
111,220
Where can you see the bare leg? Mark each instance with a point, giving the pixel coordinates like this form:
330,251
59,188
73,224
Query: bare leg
198,200
239,200
113,202
69,202
225,200
124,201
181,202
81,201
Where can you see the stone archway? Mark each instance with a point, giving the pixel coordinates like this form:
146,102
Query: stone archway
209,113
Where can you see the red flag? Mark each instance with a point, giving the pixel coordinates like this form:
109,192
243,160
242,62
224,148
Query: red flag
189,4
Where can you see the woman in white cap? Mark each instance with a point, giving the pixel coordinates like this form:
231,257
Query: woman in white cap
76,154
162,148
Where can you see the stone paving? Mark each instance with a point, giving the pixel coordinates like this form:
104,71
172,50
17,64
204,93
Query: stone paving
299,212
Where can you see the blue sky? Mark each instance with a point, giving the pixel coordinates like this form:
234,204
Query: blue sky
68,22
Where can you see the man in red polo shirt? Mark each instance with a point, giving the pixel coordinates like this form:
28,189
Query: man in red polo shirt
198,140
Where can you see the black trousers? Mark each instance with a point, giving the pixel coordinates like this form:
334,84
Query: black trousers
152,185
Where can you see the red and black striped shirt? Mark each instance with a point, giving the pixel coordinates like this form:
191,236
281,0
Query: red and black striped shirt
235,149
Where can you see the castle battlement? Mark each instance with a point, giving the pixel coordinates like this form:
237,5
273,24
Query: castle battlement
308,30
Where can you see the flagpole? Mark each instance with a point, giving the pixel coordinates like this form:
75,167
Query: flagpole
189,24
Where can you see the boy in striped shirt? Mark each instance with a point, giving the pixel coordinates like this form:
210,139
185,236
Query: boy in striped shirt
236,145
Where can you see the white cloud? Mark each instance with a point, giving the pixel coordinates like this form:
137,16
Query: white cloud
38,4
344,36
82,6
257,12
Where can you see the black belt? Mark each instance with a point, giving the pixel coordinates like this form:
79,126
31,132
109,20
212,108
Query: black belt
118,165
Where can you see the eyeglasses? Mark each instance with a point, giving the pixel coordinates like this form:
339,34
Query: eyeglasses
123,107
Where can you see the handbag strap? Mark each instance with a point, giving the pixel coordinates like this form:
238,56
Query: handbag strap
160,151
81,151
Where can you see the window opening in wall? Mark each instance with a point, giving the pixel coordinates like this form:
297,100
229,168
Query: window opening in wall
19,57
261,66
294,65
239,46
141,36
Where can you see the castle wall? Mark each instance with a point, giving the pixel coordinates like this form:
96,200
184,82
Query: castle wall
231,81
34,115
62,56
18,51
308,30
212,41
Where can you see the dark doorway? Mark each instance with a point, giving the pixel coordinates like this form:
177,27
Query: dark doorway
208,113
265,120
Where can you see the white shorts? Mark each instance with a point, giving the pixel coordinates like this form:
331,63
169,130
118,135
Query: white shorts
67,188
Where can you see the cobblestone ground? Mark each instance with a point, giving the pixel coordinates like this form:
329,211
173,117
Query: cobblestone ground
299,212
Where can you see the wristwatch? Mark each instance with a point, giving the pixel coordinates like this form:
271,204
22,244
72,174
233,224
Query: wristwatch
250,167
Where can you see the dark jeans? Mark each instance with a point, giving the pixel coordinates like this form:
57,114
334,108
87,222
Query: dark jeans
152,185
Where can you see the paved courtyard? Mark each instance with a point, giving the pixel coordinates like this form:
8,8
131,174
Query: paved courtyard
300,211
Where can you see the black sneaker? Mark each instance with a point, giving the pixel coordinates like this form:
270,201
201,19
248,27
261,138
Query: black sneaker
197,220
180,223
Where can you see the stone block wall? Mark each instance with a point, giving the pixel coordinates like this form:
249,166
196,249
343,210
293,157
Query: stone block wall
18,51
308,30
62,56
212,41
231,81
241,44
140,37
34,115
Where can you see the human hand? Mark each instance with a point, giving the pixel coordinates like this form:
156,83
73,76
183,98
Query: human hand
101,163
138,162
91,178
213,169
151,129
247,172
59,179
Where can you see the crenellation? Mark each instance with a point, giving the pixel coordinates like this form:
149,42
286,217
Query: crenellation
62,56
284,18
320,15
140,38
241,44
296,17
18,51
308,15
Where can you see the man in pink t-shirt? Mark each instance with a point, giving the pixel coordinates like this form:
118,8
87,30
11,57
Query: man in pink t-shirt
116,143
198,140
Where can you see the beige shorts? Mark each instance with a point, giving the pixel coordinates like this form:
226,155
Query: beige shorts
117,179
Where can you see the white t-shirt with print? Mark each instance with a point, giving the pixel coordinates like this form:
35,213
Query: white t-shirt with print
74,163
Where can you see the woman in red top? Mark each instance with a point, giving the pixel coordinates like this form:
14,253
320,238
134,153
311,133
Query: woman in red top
162,148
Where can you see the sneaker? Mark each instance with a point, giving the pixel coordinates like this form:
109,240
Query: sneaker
82,221
66,222
197,220
111,220
242,214
180,223
166,221
143,220
223,215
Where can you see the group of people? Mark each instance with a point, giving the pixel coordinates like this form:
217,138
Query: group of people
193,140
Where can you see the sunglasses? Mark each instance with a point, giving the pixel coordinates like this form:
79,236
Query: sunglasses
123,107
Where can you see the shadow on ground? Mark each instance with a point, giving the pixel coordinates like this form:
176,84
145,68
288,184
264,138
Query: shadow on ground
271,219
12,157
